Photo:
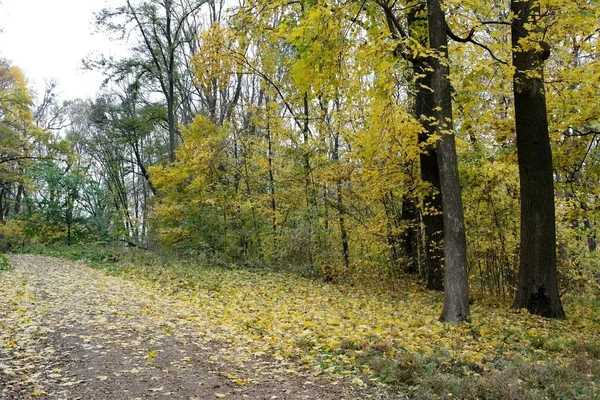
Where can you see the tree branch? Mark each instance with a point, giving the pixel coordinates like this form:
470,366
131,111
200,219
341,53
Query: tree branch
469,39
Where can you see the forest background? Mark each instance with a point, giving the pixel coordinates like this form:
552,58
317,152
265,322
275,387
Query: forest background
403,143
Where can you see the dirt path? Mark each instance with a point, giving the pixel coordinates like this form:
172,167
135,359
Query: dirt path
71,332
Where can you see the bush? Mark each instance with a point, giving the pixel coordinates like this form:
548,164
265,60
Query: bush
4,264
11,235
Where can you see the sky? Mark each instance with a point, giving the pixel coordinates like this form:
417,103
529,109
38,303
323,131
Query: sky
48,39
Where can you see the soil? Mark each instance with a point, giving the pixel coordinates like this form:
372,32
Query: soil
68,331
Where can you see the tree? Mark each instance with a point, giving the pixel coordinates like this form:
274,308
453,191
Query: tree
537,287
164,29
58,190
17,137
432,215
119,137
424,111
434,109
456,296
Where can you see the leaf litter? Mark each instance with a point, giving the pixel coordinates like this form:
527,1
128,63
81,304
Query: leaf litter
68,331
194,332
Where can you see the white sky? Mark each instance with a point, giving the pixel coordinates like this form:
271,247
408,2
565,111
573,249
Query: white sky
48,39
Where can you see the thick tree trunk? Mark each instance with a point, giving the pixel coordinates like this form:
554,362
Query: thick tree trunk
433,219
537,286
456,293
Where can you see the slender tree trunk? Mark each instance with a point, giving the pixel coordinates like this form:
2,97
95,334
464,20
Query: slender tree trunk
2,200
340,204
6,205
310,195
257,241
537,286
409,235
171,82
144,238
140,163
456,293
590,235
402,235
272,189
69,218
19,198
392,234
172,125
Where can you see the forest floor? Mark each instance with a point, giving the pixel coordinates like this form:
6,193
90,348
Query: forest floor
68,331
141,325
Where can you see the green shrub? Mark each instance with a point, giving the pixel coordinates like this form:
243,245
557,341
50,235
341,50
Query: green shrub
4,264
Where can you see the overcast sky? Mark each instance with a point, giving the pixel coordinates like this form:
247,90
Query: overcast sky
48,39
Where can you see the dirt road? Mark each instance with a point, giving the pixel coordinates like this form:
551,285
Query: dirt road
68,331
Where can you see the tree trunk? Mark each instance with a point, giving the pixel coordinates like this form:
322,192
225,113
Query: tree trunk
170,70
19,198
172,125
456,293
143,170
2,206
590,235
433,219
340,204
410,235
311,202
272,188
537,286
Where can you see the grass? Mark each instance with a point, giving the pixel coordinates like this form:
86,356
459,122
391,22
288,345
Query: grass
376,335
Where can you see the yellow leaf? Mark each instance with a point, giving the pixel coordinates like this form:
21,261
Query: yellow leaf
151,356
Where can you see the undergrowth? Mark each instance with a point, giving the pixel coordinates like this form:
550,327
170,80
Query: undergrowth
376,335
4,264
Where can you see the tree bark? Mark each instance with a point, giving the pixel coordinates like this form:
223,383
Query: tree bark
340,204
19,198
590,235
170,96
433,219
273,201
537,287
456,294
2,192
410,236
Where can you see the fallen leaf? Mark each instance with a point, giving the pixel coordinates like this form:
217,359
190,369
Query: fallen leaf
70,383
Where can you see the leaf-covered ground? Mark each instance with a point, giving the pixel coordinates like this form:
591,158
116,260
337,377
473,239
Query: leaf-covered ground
186,331
68,331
